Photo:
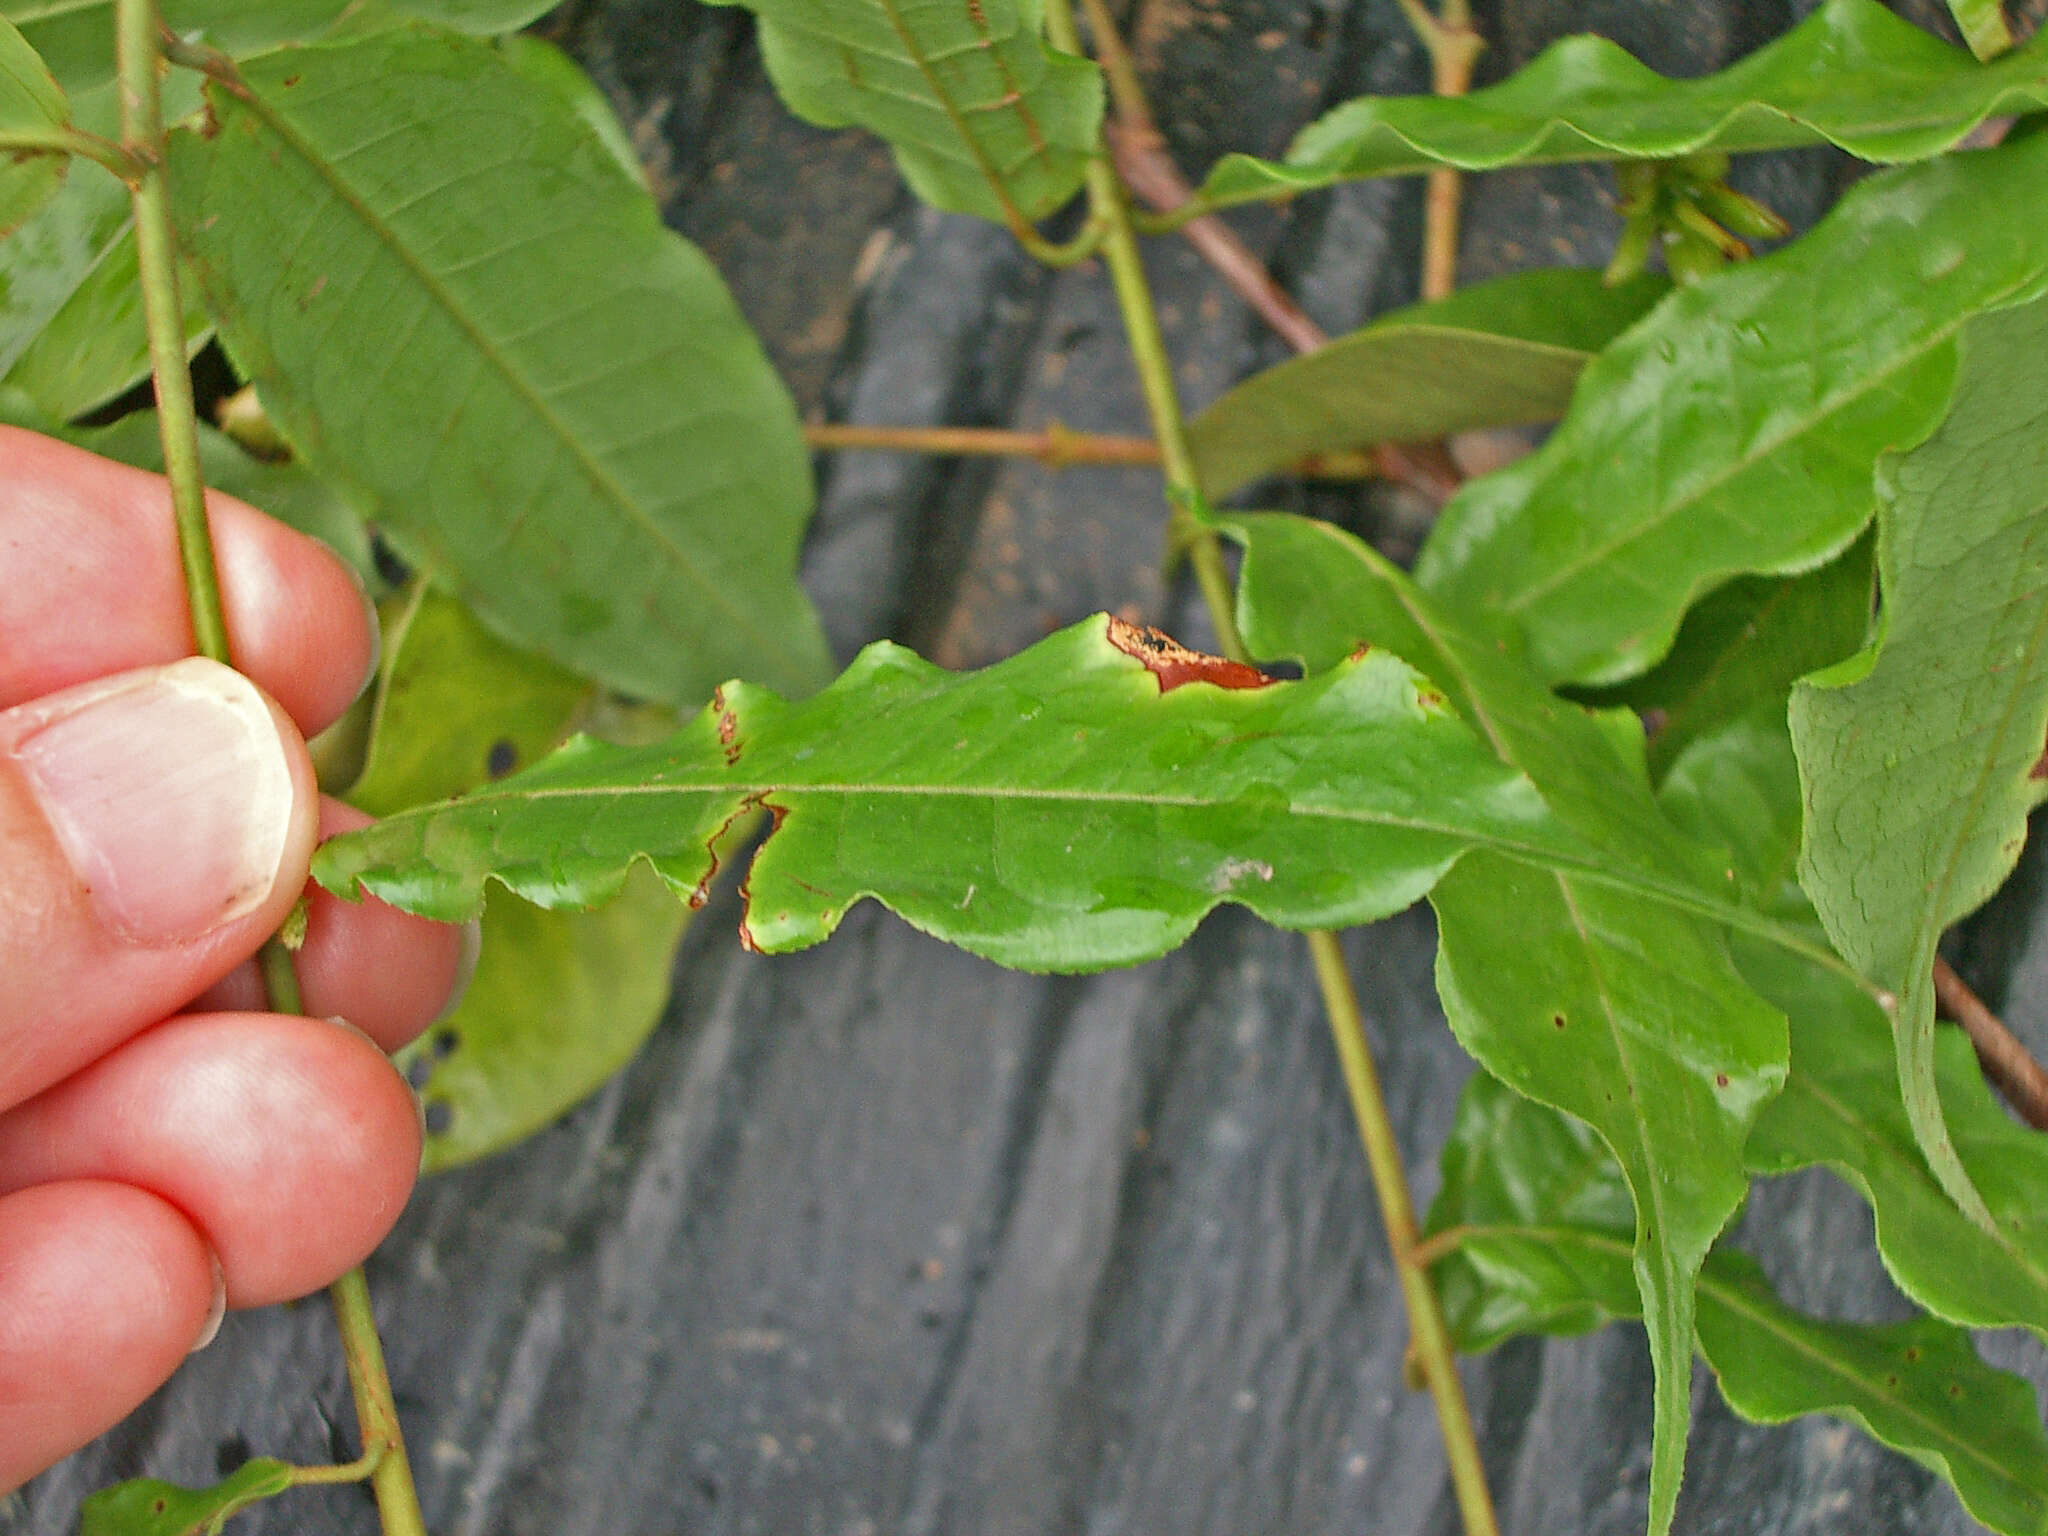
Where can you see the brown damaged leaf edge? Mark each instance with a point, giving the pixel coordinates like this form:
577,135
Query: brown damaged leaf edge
776,812
1174,664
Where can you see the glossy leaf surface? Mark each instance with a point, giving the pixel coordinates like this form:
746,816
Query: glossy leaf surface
620,483
1067,809
1733,432
30,104
559,1000
147,1507
1628,1014
1496,354
984,117
1919,755
1534,1202
1841,1108
1745,644
1852,74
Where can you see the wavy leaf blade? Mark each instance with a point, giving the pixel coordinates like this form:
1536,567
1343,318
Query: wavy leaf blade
1841,1109
1852,75
1058,811
1732,433
559,1000
984,117
1496,354
636,518
1918,1387
1626,1014
1919,755
1539,1212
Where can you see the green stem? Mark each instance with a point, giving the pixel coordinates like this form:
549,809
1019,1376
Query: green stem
142,137
398,1506
137,37
1430,1341
1430,1338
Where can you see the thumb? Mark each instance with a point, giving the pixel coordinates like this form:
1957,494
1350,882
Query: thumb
154,827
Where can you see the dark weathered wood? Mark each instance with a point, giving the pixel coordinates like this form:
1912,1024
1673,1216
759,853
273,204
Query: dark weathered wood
878,1239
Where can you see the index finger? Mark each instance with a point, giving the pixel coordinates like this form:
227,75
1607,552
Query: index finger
90,584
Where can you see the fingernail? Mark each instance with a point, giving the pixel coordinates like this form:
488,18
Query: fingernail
215,1309
170,794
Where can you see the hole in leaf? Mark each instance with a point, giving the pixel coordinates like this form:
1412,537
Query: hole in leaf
440,1116
418,1071
501,759
445,1041
394,571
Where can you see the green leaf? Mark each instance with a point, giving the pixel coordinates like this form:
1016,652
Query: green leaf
1495,354
1983,25
546,65
147,1507
1539,1217
1745,644
983,116
559,1000
1852,75
1732,432
1066,809
1841,1108
1918,1387
31,109
71,333
621,484
1919,754
1628,1014
77,36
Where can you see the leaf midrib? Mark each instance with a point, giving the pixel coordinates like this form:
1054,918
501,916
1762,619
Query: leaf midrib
595,473
1600,554
1732,1298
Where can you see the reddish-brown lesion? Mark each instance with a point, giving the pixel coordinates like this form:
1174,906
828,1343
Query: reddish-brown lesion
728,727
1174,664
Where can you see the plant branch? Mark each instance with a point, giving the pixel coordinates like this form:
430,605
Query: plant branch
1429,1341
73,141
139,60
2008,1063
1453,48
1148,351
1148,171
1056,447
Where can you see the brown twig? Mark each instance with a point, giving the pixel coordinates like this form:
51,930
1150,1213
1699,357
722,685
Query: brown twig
2010,1066
1056,447
1139,149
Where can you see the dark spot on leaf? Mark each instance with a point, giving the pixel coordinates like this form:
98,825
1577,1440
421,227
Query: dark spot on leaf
1557,1021
229,1455
501,759
440,1116
1891,1379
1954,1390
728,727
1174,664
2040,768
290,80
391,569
1364,650
1720,1079
445,1041
1912,1353
159,1504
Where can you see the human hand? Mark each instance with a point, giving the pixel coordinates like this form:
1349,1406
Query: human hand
164,1147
